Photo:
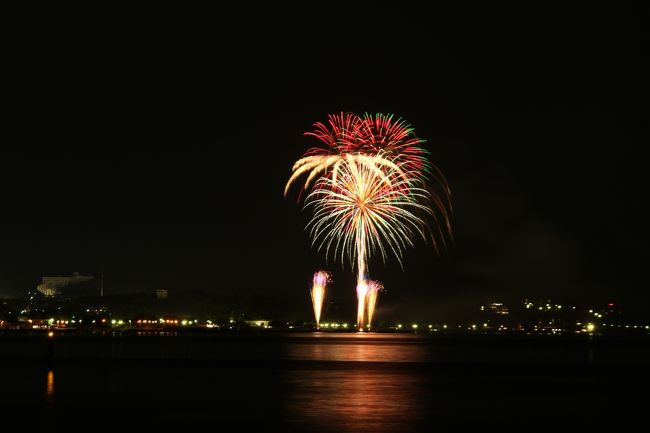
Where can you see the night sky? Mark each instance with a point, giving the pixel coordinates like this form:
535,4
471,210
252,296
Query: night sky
157,143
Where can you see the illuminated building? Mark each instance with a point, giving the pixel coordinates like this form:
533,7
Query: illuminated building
162,293
498,308
258,323
51,286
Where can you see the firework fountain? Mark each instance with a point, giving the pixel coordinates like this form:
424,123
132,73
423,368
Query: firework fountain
374,287
321,278
360,210
370,194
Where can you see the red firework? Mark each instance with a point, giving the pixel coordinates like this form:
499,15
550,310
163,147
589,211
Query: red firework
390,142
342,134
375,135
394,139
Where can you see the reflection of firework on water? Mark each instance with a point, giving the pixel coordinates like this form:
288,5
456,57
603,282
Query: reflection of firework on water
371,299
369,193
321,279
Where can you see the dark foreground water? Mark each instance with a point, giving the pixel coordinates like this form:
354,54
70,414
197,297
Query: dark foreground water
323,383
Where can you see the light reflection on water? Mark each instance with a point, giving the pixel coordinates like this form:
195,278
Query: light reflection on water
49,390
330,382
356,400
361,347
359,397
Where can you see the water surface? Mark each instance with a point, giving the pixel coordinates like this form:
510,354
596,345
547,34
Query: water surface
324,382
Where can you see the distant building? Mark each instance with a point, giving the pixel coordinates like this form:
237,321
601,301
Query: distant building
496,308
51,286
258,323
499,308
162,293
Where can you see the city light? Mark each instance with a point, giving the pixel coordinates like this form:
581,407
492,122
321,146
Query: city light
560,319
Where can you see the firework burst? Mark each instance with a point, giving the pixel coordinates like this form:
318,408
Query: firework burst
360,212
369,188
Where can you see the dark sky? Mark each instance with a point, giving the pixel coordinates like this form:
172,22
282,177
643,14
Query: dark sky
157,143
